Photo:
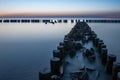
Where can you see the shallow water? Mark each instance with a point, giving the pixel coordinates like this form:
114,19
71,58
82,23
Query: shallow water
25,49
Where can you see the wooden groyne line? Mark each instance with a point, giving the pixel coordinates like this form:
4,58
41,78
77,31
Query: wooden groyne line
55,21
80,34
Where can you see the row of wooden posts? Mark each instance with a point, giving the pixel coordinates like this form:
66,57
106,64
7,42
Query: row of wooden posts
108,60
55,21
69,46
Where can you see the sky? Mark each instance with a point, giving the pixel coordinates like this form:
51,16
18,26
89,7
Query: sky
59,7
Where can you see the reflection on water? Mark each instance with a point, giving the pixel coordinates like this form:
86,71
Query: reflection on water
27,48
18,32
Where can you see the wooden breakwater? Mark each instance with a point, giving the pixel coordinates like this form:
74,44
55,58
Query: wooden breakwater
56,21
75,40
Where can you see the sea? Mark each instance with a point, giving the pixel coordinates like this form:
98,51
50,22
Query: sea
26,48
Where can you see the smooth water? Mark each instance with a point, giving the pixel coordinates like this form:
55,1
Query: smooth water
25,49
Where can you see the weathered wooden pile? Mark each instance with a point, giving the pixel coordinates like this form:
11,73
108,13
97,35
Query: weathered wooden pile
80,34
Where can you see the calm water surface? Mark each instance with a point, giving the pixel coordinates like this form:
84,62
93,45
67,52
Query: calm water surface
25,49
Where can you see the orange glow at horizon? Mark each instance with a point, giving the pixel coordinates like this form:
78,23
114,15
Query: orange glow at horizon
6,13
46,13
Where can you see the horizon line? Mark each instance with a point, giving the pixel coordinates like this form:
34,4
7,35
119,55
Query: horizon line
87,15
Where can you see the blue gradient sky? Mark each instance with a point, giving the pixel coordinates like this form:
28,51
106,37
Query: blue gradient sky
57,7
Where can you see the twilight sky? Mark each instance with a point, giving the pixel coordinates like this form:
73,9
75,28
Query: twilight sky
59,7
